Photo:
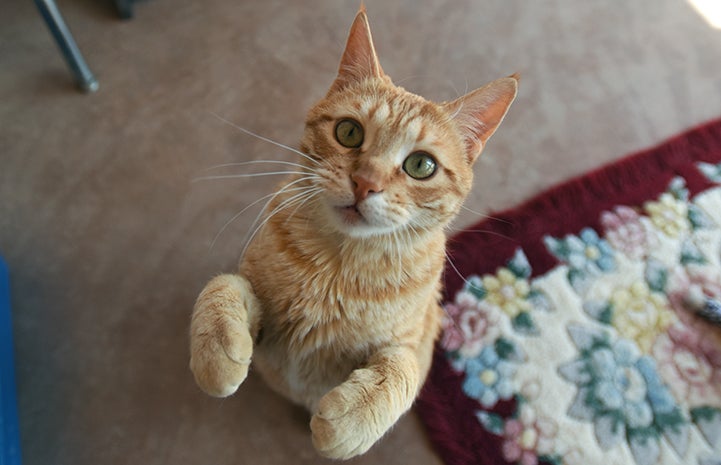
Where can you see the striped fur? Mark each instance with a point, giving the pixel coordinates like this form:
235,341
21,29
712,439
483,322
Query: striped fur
336,299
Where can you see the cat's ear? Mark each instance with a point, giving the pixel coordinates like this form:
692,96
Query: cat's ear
359,58
479,113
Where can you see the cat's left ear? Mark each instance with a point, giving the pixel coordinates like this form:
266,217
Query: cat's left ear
359,60
479,113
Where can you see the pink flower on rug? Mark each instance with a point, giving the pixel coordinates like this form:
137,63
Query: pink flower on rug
527,438
468,325
625,232
690,364
452,338
680,282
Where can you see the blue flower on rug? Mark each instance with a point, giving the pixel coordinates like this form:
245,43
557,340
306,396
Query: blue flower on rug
711,171
708,421
673,213
621,393
587,255
489,376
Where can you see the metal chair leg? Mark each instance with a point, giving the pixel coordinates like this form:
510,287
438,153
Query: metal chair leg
125,8
50,12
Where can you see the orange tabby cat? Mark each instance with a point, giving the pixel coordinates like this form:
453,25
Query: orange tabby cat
337,295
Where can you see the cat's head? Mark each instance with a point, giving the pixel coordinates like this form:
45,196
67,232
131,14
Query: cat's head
392,160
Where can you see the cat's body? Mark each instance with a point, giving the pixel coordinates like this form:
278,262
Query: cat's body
340,305
337,296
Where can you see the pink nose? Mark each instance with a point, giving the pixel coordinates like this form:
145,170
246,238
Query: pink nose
363,187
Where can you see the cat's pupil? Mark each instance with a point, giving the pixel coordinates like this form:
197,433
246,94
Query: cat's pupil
349,133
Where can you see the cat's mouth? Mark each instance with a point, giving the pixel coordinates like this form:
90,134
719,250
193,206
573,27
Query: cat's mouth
360,220
351,215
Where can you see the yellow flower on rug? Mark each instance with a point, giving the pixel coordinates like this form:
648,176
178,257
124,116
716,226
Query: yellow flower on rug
508,292
640,314
669,214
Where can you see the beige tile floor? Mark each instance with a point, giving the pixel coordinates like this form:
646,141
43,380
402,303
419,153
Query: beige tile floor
108,241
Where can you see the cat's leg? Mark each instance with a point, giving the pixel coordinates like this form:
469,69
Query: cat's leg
354,415
224,324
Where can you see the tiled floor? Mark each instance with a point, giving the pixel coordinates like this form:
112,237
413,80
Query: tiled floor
108,240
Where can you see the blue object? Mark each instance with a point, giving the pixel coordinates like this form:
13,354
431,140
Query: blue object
9,430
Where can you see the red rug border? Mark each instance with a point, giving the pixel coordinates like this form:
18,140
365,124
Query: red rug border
459,439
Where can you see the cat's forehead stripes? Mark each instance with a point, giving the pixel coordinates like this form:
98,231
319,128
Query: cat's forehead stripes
374,110
395,116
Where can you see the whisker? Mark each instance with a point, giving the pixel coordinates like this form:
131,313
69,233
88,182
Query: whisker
453,265
282,206
265,207
245,175
399,252
407,78
254,162
265,139
483,215
285,188
483,231
448,315
450,318
315,191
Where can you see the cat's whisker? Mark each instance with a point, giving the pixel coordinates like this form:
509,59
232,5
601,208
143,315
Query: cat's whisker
483,215
256,162
315,191
468,283
246,175
399,251
460,107
414,230
235,217
282,206
265,139
285,188
273,196
408,78
287,203
484,231
455,89
453,265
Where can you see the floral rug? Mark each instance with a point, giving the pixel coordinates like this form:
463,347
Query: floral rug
574,329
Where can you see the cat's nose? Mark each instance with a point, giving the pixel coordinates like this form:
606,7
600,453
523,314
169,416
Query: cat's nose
364,186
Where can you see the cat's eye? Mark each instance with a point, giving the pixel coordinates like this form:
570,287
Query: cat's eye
420,165
349,133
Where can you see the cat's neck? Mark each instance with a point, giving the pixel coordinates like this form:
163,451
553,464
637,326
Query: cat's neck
407,249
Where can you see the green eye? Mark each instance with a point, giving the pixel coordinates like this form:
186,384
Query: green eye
419,165
349,133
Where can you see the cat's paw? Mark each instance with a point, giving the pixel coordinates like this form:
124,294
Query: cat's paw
220,356
348,420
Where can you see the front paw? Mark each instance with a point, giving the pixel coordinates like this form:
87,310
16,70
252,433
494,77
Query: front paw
220,355
348,420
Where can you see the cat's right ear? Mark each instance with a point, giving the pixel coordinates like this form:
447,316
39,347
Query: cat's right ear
479,113
359,60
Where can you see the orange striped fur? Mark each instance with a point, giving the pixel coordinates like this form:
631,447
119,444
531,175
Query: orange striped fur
337,296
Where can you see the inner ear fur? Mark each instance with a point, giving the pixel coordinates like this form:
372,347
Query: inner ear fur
359,61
